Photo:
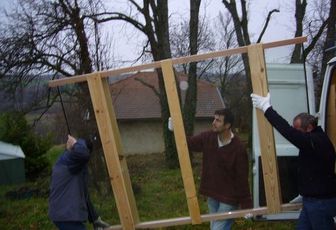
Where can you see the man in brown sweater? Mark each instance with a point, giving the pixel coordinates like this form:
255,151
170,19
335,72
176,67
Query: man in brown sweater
224,178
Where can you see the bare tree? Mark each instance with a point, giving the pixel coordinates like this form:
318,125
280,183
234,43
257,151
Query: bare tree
314,25
181,46
179,40
228,71
330,40
324,47
243,37
190,104
300,10
151,18
54,38
228,66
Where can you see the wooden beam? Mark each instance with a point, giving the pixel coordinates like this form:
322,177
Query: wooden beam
181,141
207,217
109,135
331,111
181,60
266,136
122,159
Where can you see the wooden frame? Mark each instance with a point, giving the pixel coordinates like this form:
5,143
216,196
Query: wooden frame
116,164
331,109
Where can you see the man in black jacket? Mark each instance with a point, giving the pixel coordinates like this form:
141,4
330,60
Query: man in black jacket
316,165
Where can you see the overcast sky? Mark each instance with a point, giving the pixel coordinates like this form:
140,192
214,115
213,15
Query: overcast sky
280,27
127,41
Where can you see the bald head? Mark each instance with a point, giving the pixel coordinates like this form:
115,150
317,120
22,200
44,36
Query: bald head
304,122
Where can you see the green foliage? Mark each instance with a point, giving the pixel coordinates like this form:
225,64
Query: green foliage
53,153
15,130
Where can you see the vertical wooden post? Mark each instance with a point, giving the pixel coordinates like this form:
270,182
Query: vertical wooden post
266,135
116,164
181,141
122,159
331,112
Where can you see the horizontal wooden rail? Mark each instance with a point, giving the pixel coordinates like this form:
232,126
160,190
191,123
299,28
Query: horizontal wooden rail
181,60
208,217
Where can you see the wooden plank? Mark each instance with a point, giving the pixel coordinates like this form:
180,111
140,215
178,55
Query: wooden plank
181,60
109,139
331,111
266,136
122,159
207,217
181,141
239,50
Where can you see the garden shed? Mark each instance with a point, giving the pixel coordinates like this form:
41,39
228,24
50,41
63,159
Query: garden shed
12,169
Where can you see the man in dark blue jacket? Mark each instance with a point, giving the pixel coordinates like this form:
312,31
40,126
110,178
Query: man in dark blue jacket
316,165
69,203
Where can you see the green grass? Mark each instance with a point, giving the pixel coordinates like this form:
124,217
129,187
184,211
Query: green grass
158,192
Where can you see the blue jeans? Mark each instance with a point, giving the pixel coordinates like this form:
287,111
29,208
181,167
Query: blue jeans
218,207
317,214
70,225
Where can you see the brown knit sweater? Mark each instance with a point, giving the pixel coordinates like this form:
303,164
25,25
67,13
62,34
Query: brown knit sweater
224,169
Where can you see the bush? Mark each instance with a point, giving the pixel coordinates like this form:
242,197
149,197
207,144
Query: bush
15,130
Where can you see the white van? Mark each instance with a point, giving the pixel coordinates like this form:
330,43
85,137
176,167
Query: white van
292,91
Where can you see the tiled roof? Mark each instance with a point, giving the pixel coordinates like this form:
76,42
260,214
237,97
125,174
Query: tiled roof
132,99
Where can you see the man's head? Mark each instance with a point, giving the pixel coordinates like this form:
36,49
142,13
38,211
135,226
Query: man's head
223,120
304,122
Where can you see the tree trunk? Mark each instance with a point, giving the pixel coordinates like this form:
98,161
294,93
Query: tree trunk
88,127
161,50
190,103
300,10
242,34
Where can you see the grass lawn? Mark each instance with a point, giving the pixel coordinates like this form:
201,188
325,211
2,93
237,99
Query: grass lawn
158,192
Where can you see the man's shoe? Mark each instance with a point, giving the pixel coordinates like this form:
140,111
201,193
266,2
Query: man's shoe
99,224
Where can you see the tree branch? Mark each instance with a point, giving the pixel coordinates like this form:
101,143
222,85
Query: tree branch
46,107
266,23
314,40
109,16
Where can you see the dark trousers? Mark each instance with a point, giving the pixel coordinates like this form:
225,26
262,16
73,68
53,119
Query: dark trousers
76,225
317,214
70,225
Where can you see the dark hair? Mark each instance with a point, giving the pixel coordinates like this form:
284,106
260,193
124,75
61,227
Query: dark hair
89,144
306,119
228,115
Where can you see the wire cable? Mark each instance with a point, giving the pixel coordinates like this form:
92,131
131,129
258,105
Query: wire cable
63,109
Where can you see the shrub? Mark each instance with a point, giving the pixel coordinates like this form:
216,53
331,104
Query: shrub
15,130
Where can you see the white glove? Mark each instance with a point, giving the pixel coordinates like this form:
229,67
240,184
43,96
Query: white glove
170,124
260,102
248,216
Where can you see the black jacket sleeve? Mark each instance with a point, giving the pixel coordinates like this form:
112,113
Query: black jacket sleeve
298,138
